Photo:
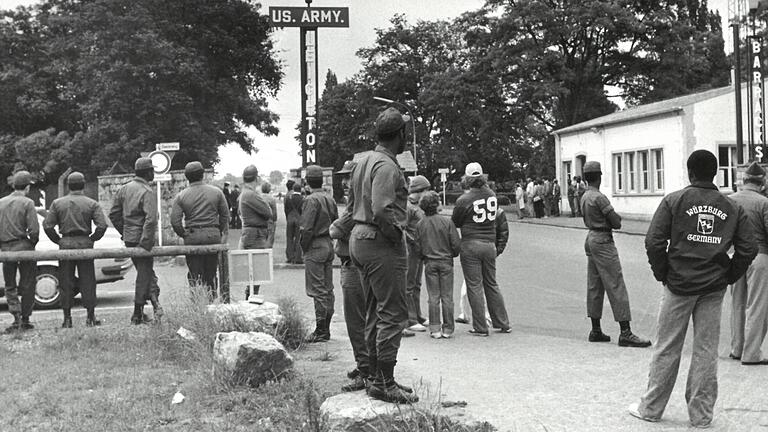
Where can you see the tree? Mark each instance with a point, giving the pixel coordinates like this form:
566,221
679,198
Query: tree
104,80
276,177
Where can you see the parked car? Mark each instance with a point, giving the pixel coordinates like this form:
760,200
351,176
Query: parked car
47,291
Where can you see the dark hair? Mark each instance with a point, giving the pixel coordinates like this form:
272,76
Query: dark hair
19,187
391,135
289,184
702,164
296,187
145,173
194,176
475,182
76,186
266,188
590,177
429,202
315,182
754,180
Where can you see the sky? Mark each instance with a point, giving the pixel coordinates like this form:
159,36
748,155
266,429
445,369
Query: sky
336,51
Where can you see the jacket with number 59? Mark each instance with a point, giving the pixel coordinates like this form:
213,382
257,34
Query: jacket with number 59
475,214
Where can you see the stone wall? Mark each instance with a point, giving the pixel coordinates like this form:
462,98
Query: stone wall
108,186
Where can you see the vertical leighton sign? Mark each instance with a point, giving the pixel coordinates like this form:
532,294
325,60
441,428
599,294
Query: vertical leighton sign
309,19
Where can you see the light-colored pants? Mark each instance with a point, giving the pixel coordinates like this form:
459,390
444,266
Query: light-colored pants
465,312
749,311
701,389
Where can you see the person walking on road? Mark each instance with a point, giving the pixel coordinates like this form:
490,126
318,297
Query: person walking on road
19,231
688,245
75,214
256,213
749,308
418,186
604,273
317,214
200,216
266,190
437,241
134,216
377,202
292,207
475,215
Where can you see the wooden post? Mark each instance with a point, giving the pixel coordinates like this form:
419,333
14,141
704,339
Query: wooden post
127,252
224,276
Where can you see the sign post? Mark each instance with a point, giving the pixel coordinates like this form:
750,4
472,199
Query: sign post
308,19
161,162
443,178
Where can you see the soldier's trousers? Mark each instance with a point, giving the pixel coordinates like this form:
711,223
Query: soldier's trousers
354,312
749,311
478,262
383,266
292,244
27,275
86,274
202,268
701,389
604,276
318,274
146,279
413,287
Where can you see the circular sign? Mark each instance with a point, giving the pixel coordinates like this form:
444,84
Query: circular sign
161,161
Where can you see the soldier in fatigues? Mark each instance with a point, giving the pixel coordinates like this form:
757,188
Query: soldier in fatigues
205,214
74,214
134,216
475,214
19,231
292,207
749,310
377,201
688,245
256,214
603,266
317,214
414,214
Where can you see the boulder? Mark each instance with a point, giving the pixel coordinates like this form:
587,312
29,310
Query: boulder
250,358
355,411
246,316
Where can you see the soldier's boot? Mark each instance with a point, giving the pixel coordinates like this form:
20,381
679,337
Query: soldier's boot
158,310
359,381
138,314
67,318
386,389
16,325
25,324
321,334
91,321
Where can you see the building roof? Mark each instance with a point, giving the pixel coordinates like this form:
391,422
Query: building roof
649,110
404,159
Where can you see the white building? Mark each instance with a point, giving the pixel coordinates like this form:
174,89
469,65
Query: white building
643,150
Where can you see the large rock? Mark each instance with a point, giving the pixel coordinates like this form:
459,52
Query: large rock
246,316
250,358
356,412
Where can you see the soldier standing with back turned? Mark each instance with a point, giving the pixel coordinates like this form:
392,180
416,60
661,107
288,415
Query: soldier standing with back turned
205,212
19,231
256,214
134,216
604,274
74,214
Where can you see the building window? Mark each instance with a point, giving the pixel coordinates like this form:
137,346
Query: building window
726,161
566,173
639,171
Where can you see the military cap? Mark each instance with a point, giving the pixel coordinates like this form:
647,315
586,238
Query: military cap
592,167
250,172
193,168
347,168
389,121
473,169
314,171
21,179
143,163
76,178
418,184
754,171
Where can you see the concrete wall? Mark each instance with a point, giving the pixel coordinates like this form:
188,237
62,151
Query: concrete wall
108,186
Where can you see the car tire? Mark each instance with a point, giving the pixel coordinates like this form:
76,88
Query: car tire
47,289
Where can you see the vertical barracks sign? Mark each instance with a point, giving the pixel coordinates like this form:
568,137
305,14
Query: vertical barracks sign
308,19
758,99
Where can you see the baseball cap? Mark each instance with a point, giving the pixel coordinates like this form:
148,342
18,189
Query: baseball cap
75,178
592,167
473,169
347,168
250,172
390,120
143,163
314,171
22,178
193,167
418,184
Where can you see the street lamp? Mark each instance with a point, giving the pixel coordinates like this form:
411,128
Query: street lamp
413,122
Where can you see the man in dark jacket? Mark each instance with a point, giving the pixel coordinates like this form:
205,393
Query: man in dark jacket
292,207
687,246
